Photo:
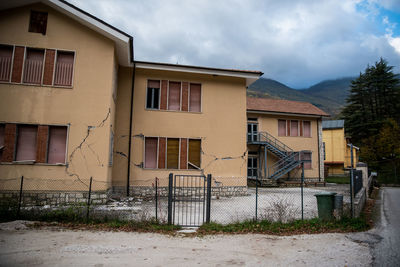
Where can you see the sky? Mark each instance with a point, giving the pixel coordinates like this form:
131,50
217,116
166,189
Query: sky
298,43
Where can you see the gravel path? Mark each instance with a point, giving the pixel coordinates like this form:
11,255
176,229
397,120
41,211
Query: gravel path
27,247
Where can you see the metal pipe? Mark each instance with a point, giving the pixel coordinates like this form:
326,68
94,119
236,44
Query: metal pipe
130,131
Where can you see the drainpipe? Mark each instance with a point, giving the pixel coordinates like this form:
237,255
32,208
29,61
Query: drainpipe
319,152
130,131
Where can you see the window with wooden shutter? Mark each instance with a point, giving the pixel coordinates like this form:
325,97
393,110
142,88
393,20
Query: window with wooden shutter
174,96
64,68
306,128
2,133
38,22
26,143
294,128
194,154
172,153
153,94
57,144
150,153
33,66
306,157
195,98
5,62
281,127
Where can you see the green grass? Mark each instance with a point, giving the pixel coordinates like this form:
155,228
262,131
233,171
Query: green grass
338,179
295,227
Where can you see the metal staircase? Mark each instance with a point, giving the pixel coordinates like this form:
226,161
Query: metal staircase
288,159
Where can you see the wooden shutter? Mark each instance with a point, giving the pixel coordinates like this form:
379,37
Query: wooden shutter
307,128
49,67
164,94
174,96
281,128
172,153
9,142
195,97
301,128
150,160
185,95
5,62
57,144
18,62
26,143
194,153
33,66
64,68
2,133
162,142
41,148
294,128
183,155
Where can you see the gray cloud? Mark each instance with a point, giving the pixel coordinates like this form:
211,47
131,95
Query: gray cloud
295,42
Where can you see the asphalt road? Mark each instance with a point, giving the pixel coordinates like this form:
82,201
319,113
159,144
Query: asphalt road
386,252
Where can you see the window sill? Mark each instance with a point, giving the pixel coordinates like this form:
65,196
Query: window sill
31,163
38,85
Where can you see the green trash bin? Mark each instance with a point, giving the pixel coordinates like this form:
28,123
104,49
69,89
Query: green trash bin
325,203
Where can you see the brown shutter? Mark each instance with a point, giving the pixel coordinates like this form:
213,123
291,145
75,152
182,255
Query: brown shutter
41,146
301,128
161,152
172,153
16,75
174,96
185,95
194,153
288,127
164,86
49,67
183,155
9,142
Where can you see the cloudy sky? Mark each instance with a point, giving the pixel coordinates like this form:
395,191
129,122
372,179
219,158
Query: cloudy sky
298,43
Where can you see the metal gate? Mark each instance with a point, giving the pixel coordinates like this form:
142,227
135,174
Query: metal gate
189,199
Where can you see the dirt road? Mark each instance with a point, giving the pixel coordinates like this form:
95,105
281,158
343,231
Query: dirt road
83,248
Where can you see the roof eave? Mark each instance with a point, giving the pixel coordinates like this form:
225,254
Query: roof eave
286,113
250,76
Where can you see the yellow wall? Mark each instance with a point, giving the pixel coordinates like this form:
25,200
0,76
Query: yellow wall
269,123
86,104
221,126
335,145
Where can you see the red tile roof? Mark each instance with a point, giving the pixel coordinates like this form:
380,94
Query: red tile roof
283,106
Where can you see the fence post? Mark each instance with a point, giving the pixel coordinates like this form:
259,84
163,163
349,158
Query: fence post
351,182
170,181
302,192
20,196
208,210
156,198
88,202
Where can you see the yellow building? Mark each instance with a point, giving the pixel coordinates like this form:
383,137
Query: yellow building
337,151
282,134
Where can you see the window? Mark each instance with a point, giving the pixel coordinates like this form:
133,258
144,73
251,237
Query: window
38,22
5,62
281,127
195,98
2,130
33,66
252,167
194,153
252,132
151,145
172,153
294,128
57,144
306,157
26,143
306,128
153,94
64,68
174,96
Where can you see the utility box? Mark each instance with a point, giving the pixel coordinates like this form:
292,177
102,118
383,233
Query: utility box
325,202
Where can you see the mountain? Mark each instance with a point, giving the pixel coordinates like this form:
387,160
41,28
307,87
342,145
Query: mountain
329,95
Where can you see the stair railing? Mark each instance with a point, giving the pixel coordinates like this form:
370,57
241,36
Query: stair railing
266,137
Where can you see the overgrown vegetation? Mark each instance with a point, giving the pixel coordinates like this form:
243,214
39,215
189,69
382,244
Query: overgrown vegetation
338,179
372,119
296,227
